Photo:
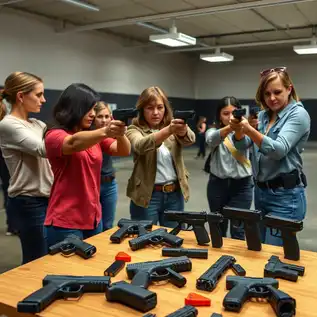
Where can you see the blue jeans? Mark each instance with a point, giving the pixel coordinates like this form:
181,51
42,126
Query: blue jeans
58,234
230,192
108,200
159,203
289,203
27,216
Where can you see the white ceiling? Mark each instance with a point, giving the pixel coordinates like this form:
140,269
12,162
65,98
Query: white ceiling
272,23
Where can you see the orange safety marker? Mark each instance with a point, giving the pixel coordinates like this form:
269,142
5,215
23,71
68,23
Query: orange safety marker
197,300
122,256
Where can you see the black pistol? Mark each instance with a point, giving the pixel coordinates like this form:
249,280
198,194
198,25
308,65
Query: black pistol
239,113
288,229
73,244
129,227
244,288
193,221
278,269
125,114
184,114
251,220
155,237
209,280
144,273
130,295
62,286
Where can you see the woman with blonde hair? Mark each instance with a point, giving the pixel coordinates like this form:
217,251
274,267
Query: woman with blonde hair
23,149
108,186
159,180
283,129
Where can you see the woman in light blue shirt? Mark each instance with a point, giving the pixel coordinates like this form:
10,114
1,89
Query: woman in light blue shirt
230,181
283,129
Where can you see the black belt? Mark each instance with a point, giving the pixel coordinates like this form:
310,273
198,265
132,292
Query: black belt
287,181
107,179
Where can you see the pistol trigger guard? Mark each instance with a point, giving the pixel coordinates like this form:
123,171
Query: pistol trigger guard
160,275
156,240
68,249
72,291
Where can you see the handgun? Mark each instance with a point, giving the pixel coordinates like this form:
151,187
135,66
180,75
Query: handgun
193,220
184,114
278,269
186,311
239,113
73,244
155,237
144,273
125,114
288,228
130,227
191,253
62,286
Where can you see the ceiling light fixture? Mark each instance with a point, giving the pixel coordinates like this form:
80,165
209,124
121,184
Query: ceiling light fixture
173,38
306,49
217,57
82,4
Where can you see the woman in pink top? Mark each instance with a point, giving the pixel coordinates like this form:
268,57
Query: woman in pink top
75,154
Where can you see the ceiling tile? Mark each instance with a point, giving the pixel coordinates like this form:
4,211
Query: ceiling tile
286,15
209,3
245,20
308,10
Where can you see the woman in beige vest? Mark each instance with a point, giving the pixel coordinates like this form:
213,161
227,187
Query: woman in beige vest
159,180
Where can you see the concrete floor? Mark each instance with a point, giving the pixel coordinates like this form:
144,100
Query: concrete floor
10,246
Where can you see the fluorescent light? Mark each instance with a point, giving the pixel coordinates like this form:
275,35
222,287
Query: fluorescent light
217,57
173,39
305,49
82,4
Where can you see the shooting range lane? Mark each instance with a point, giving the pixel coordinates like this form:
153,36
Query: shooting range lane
20,282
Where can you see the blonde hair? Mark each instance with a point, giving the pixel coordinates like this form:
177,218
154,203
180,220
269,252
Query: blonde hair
101,105
15,83
265,80
147,96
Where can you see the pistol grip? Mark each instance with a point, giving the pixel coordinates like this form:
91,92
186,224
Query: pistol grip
253,236
201,235
117,236
141,279
290,245
176,278
216,236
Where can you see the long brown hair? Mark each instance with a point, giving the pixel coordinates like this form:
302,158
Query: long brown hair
100,105
147,96
265,80
15,83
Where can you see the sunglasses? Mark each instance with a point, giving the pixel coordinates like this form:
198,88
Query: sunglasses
272,70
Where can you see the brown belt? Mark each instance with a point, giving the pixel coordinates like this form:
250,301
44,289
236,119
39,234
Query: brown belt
107,179
167,188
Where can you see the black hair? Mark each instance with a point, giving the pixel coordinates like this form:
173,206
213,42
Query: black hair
225,102
73,104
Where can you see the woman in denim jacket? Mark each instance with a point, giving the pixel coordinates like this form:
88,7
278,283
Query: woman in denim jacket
283,129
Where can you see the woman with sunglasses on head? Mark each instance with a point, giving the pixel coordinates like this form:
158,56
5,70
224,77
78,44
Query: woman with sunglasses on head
283,129
23,149
159,180
75,153
230,182
108,186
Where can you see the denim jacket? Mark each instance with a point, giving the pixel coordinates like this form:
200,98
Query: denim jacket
281,148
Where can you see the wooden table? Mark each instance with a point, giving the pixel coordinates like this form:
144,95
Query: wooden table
22,281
